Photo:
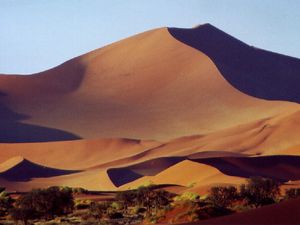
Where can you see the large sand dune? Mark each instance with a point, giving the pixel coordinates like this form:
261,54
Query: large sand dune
149,86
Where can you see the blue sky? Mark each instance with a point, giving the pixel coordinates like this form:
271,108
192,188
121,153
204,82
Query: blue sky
36,35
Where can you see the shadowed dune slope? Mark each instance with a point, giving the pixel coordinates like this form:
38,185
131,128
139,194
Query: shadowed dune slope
287,213
20,169
251,70
149,86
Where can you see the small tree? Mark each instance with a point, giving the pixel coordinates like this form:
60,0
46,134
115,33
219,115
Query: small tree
223,197
292,193
260,191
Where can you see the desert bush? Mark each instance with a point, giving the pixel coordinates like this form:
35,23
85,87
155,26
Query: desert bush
260,191
222,197
43,203
292,193
149,198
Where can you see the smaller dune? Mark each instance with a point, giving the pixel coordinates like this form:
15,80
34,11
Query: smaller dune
187,173
206,171
20,169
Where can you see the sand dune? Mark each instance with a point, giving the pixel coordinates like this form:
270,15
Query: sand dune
149,86
187,173
179,170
